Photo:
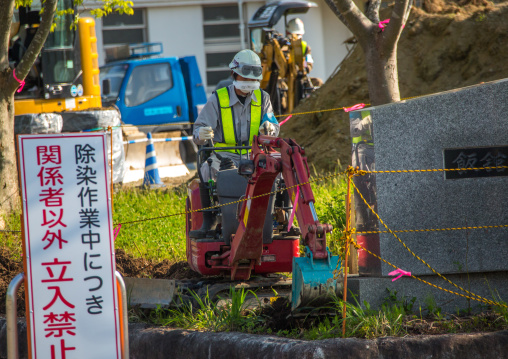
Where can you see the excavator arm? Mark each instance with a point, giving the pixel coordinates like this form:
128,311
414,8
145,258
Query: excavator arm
247,243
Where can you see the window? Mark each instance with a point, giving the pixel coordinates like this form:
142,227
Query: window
147,82
124,29
221,24
221,27
115,74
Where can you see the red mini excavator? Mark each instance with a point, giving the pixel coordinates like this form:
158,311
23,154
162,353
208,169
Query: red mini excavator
253,204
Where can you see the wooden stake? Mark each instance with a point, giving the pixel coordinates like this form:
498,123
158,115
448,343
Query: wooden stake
348,228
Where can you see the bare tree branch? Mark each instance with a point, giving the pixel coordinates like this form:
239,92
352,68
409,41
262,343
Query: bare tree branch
355,20
397,19
373,11
408,11
336,11
35,46
7,9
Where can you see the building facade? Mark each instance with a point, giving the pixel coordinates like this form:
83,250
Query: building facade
214,30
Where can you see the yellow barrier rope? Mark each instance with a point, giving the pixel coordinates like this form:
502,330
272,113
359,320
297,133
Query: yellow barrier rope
309,112
362,172
236,202
414,254
434,229
477,298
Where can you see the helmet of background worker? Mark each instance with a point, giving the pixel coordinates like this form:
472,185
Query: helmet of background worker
247,64
295,26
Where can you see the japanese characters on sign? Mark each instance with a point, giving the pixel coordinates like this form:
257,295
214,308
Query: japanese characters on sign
69,248
479,157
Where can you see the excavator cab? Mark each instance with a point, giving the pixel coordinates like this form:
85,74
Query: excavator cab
284,74
65,76
280,243
57,73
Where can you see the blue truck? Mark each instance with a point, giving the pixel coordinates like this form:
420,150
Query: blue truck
161,95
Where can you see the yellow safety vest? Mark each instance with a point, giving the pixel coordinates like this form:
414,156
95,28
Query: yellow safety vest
228,123
304,47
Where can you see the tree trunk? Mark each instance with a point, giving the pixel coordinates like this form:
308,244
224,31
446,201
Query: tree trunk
9,194
9,188
378,40
382,74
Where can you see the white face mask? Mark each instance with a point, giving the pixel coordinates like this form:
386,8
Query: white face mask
246,86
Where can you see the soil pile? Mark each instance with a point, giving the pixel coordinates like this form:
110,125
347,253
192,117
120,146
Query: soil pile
130,266
457,47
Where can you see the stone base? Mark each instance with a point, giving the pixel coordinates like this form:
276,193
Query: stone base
492,286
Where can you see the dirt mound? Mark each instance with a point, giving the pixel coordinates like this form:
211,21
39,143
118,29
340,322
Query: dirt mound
457,47
130,266
9,268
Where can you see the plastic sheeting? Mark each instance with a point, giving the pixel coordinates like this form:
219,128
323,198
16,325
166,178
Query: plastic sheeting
100,120
38,123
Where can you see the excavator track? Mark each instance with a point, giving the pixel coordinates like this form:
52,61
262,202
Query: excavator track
151,293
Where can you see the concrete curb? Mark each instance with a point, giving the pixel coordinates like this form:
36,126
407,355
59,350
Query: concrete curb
159,343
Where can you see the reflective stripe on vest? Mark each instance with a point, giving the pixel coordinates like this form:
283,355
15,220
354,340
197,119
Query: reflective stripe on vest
367,138
227,122
304,47
359,139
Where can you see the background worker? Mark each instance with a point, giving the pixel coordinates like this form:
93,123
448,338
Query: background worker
295,27
231,117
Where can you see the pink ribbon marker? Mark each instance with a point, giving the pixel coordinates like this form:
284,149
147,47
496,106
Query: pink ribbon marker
355,107
21,82
295,205
400,273
116,231
382,24
285,120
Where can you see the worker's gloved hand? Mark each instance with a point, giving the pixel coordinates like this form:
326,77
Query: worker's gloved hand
205,133
267,128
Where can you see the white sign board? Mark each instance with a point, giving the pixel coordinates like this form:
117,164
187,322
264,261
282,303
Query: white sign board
73,310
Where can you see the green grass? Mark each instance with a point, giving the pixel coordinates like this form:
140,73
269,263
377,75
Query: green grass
10,238
152,238
204,314
330,196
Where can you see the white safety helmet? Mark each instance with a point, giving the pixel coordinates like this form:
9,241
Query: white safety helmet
246,63
295,26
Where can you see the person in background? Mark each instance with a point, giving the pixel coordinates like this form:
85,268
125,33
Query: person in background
295,27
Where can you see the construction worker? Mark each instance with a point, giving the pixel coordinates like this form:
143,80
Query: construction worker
231,117
295,27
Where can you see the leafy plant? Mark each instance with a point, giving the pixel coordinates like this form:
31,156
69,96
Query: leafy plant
433,309
404,303
201,313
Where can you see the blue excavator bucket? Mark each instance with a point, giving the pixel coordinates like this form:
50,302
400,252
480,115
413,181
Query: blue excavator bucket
313,279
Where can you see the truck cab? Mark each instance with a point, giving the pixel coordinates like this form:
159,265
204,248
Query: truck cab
150,90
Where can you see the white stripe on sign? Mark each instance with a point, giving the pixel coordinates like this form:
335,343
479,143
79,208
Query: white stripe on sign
140,140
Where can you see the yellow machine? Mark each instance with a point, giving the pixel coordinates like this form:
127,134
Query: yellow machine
65,76
284,75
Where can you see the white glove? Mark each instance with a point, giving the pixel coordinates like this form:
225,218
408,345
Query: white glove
267,128
205,133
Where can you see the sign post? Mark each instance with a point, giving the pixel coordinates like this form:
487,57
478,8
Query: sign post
70,287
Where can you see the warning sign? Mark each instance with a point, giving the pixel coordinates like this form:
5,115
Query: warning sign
69,254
